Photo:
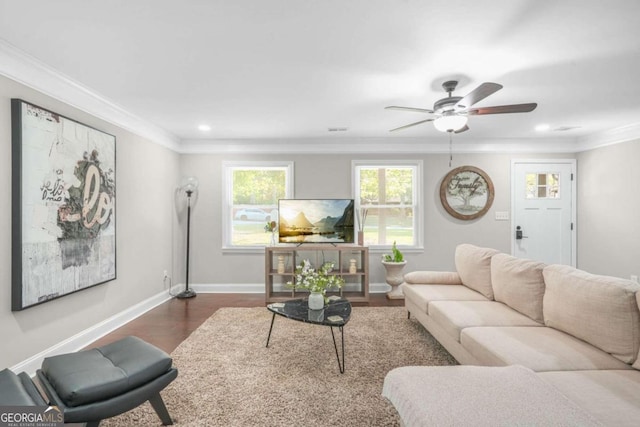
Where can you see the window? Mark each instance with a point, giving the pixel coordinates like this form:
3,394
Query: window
250,200
387,196
542,185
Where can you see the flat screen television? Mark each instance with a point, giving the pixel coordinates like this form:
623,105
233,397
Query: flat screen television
316,220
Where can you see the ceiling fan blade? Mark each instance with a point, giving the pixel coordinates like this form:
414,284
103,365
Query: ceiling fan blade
412,124
419,110
462,129
478,94
502,109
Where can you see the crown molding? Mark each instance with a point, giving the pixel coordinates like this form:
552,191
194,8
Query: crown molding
29,71
375,145
610,137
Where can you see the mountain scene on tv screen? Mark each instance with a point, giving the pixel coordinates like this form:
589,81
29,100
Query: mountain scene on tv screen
316,221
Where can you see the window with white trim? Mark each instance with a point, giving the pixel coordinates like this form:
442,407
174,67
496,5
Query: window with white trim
388,201
251,192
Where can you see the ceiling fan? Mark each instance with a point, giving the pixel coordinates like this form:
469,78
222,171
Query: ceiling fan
451,113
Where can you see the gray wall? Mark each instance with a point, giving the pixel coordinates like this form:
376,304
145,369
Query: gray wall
609,210
146,174
150,239
442,233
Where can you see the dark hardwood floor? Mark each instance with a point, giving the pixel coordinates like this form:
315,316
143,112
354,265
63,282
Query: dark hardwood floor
170,323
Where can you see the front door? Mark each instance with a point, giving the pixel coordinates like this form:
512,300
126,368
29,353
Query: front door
543,210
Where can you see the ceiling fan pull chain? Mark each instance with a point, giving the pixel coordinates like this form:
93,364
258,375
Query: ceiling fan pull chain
450,148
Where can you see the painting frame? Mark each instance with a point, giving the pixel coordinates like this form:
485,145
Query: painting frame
461,184
63,205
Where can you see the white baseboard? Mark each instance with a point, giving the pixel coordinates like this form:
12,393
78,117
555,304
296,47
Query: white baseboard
89,335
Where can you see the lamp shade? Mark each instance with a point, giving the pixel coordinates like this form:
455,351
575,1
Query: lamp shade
450,123
189,184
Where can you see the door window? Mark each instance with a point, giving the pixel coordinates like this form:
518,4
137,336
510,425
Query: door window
542,185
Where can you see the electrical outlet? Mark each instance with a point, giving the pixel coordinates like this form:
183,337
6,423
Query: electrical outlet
634,278
165,275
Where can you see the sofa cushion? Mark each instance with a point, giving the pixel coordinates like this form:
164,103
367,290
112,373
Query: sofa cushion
611,397
454,316
519,284
601,310
474,267
538,348
422,295
479,396
433,277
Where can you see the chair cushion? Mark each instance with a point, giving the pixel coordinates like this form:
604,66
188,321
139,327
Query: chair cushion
422,295
519,284
537,348
18,390
101,373
474,267
601,310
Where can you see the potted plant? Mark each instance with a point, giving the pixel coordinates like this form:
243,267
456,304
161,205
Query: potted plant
393,264
316,282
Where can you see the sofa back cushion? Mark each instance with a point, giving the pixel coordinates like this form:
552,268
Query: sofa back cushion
636,364
473,264
519,284
601,310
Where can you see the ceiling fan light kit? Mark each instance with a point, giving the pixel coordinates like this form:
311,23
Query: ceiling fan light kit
450,123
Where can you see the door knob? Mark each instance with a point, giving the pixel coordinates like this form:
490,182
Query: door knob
519,235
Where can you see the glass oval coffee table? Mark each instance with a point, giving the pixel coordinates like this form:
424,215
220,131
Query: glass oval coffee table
335,314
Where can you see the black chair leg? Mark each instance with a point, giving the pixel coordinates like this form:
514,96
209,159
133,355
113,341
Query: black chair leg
160,408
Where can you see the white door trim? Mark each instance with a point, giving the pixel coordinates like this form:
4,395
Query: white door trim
574,199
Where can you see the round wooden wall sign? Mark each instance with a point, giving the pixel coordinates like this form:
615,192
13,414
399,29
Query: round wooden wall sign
466,192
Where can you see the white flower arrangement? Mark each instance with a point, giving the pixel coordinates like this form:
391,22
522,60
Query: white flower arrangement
306,277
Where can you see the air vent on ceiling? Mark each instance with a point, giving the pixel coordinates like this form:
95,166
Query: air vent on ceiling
338,129
565,128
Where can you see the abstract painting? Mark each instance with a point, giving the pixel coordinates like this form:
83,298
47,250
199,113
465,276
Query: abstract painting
63,206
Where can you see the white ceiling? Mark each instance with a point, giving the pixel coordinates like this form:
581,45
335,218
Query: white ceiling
287,70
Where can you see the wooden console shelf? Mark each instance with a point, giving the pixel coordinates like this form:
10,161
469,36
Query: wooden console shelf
355,289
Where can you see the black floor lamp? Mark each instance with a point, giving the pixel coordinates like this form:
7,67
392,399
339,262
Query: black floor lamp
188,189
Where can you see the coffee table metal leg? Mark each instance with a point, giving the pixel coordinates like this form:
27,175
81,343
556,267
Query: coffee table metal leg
271,328
335,346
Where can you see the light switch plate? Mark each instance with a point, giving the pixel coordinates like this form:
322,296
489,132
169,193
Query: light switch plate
502,216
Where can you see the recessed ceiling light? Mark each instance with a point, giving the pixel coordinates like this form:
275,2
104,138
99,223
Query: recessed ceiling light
543,127
204,128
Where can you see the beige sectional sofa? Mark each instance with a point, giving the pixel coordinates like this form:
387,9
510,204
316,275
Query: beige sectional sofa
575,334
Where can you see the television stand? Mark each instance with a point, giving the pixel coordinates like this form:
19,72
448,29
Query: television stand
355,289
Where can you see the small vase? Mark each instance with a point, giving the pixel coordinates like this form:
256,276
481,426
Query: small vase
353,269
316,301
280,264
273,239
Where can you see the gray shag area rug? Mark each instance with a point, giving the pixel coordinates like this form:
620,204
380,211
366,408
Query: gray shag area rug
228,378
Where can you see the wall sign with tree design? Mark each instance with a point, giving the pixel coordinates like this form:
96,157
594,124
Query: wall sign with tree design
466,192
